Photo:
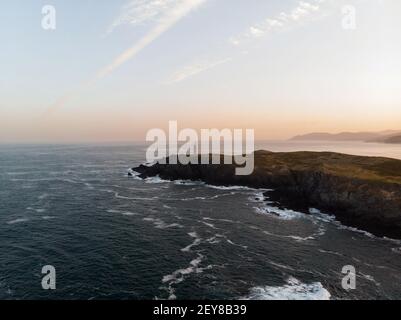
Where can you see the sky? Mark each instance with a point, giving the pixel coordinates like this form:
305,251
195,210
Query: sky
112,70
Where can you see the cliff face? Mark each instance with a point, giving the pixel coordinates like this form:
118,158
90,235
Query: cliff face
362,192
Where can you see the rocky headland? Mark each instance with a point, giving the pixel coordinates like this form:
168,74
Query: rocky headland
362,192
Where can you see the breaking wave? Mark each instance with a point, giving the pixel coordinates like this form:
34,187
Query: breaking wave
284,214
292,290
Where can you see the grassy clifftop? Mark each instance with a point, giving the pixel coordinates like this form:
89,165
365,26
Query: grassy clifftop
364,168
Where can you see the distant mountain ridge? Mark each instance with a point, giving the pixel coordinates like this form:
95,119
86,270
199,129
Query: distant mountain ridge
387,136
393,138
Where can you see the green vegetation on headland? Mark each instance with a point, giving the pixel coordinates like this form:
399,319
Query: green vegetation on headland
363,192
379,169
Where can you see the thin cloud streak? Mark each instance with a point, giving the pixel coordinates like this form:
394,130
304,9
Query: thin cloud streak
195,68
171,17
167,21
138,12
303,11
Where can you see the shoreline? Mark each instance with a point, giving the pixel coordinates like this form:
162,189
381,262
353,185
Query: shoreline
361,192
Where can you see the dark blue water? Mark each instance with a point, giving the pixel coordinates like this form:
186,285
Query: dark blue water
114,237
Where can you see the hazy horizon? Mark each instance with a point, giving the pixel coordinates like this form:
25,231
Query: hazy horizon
283,68
143,140
291,139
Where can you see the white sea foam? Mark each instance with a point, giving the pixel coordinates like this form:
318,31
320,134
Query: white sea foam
118,196
235,244
189,199
316,213
134,174
215,239
38,210
124,213
210,225
396,250
48,217
332,219
258,197
20,220
88,186
293,237
204,198
301,239
127,213
369,278
113,211
292,290
197,241
156,180
331,252
284,214
43,196
222,220
287,214
160,224
188,183
19,173
179,275
230,187
281,266
266,207
366,233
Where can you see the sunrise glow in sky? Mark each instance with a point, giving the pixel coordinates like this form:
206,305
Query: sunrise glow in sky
112,70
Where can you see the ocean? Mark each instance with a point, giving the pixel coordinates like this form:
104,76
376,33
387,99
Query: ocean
110,236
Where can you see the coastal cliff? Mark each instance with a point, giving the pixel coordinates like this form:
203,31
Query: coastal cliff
362,192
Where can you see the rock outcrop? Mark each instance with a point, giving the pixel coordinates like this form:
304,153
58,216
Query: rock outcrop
363,192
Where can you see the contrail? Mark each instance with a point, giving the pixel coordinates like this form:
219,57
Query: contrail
169,20
165,24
